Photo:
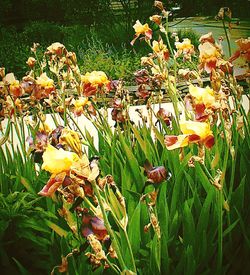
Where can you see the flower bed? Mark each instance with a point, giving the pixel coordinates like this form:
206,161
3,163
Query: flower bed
165,193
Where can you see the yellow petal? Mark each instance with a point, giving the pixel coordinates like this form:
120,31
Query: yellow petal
56,161
202,129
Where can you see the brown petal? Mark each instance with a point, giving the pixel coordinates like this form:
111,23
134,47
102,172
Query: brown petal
52,185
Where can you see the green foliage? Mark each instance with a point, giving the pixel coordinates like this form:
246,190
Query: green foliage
24,237
118,64
91,48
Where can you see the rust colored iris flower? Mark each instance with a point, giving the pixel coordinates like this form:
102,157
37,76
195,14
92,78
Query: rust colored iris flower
118,116
37,146
243,50
93,82
209,55
203,99
44,87
193,132
165,116
143,92
155,175
13,84
31,62
53,184
80,104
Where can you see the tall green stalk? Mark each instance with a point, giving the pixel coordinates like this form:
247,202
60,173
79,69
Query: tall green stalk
228,42
108,226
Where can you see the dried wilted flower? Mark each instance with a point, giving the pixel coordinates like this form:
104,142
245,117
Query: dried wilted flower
217,180
165,116
35,46
224,14
118,115
99,255
71,58
147,61
56,48
143,92
2,72
142,76
28,84
93,225
71,139
55,135
31,62
193,159
159,5
155,224
117,103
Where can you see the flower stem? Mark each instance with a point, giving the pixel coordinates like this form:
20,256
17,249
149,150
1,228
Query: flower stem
108,226
228,42
130,250
220,231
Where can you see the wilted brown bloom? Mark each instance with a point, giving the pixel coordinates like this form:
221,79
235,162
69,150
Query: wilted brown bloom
92,225
2,72
155,224
143,92
71,58
28,84
217,180
98,256
31,62
118,115
35,46
165,116
71,139
159,5
224,14
193,159
142,76
56,48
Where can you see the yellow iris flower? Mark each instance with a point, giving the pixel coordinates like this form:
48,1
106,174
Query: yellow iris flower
95,78
56,161
193,132
202,95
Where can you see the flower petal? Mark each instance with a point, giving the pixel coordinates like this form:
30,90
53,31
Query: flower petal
52,185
